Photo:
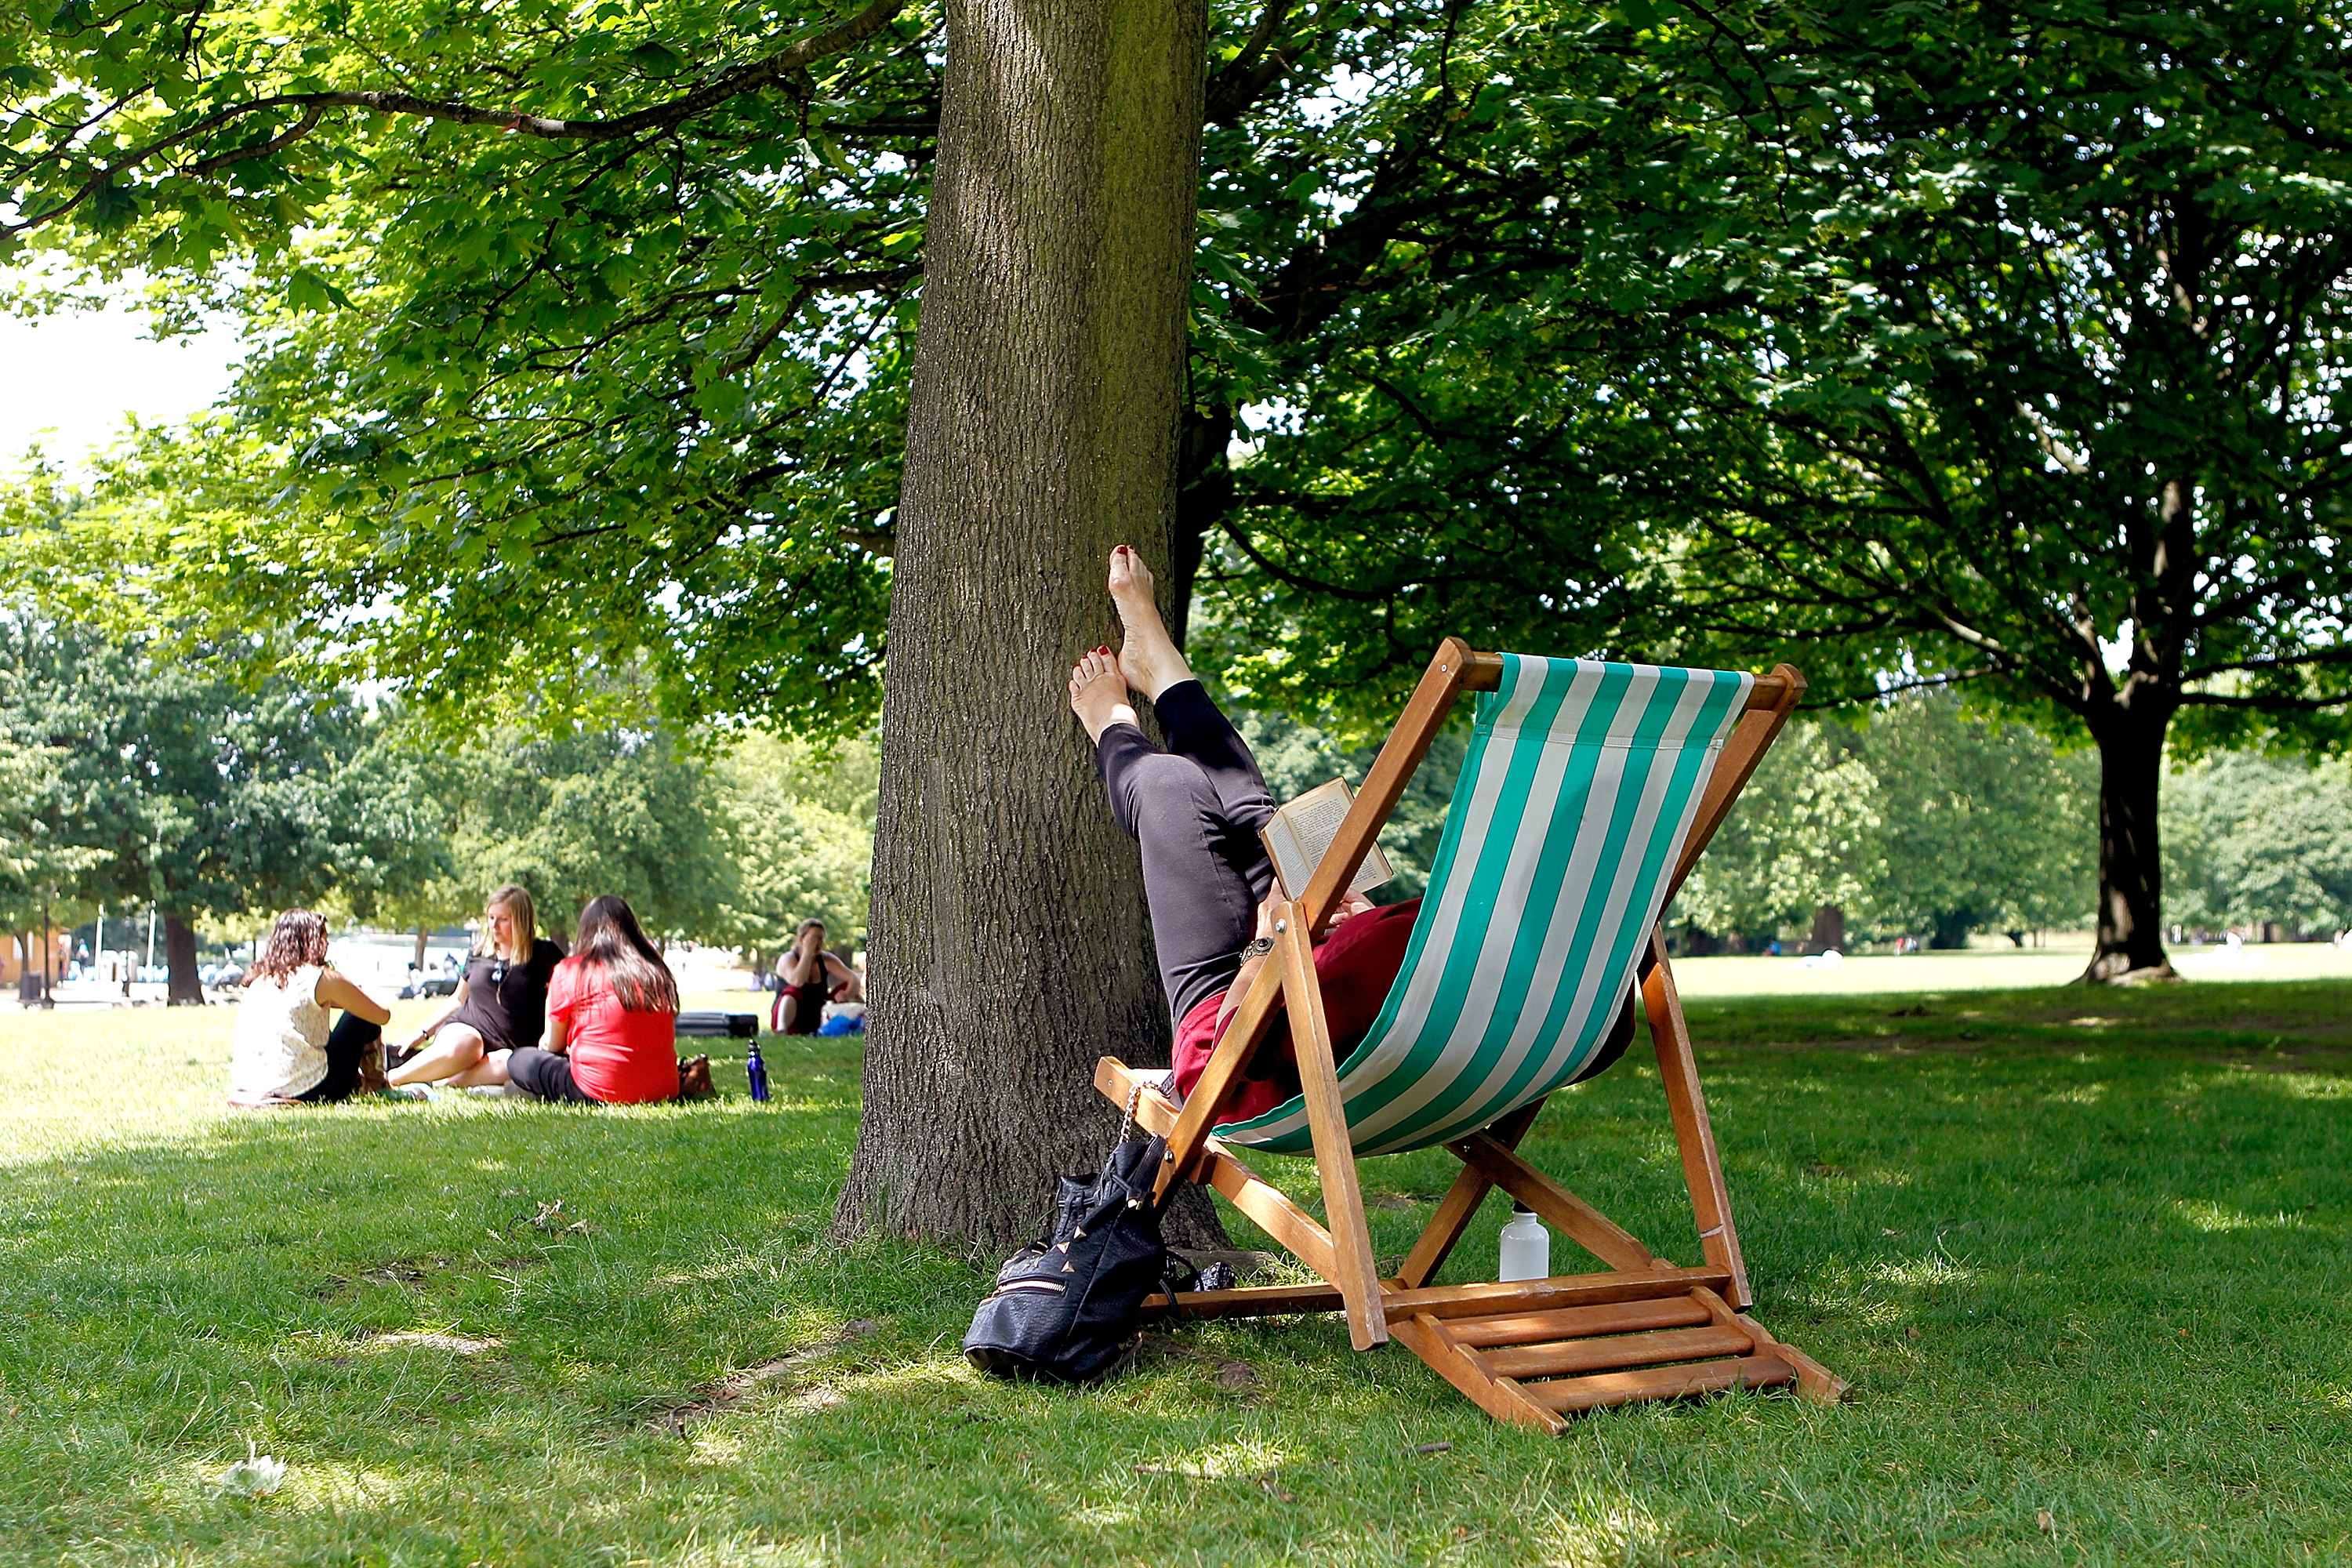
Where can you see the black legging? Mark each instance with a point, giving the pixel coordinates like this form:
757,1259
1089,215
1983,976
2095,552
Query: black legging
1196,809
352,1037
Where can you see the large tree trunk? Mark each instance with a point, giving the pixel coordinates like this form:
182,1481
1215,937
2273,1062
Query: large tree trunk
180,956
2130,944
1009,945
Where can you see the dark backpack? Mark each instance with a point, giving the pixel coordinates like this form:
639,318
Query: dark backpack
1066,1306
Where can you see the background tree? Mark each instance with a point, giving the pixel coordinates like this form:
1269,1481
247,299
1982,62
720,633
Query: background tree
1809,836
1919,817
1985,826
208,795
605,810
2251,839
1992,344
801,822
42,869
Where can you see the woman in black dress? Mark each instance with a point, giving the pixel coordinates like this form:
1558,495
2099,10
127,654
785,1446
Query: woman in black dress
501,1002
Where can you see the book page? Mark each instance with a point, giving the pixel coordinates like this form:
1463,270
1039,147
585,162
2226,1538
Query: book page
1302,831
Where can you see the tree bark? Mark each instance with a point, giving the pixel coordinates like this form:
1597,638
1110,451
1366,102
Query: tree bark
1010,945
2130,943
1829,930
1204,493
418,961
180,956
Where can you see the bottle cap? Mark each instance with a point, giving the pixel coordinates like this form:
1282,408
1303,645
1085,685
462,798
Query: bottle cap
1519,1208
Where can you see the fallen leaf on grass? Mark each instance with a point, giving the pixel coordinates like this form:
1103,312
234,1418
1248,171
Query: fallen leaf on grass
1273,1487
1912,1333
2043,1522
1433,1447
256,1475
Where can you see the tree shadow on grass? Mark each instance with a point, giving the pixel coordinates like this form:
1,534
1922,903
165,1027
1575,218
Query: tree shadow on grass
471,1329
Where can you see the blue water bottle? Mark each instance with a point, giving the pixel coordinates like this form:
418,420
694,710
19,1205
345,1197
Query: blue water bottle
757,1072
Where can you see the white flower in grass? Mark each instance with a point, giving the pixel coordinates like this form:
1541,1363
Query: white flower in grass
256,1475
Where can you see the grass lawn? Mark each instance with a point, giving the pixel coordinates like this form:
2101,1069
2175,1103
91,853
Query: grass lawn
2081,1254
1994,968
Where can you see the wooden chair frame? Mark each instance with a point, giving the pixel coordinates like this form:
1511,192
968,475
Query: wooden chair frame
1528,1353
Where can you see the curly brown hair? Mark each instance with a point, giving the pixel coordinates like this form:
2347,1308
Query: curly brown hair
299,937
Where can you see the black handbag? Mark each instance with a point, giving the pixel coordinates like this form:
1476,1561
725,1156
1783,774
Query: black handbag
1067,1306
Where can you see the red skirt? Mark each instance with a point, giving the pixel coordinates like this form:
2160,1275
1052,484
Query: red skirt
1357,964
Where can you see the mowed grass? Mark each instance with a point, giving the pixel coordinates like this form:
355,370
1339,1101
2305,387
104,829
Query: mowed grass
2082,1256
1995,968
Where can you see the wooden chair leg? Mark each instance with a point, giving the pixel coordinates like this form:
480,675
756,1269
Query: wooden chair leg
1702,1170
1335,1156
1460,1204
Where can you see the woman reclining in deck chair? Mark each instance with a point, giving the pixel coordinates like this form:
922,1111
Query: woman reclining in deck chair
1195,808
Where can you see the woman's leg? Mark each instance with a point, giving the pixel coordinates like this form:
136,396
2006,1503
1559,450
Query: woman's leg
346,1045
1203,874
490,1071
456,1049
543,1075
1194,725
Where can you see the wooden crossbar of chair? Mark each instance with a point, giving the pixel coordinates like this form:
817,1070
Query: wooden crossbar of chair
1529,1352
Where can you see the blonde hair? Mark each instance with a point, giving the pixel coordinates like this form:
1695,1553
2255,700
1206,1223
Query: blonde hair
516,901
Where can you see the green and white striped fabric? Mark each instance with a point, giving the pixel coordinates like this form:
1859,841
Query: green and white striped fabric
1574,800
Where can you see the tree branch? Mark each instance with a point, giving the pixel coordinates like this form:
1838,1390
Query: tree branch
730,84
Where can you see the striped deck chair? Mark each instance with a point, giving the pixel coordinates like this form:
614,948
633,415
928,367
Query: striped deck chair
1588,792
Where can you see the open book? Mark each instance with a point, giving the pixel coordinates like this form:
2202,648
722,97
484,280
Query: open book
1303,829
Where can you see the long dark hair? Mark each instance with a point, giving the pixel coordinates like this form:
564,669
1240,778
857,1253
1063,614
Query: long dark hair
299,937
609,938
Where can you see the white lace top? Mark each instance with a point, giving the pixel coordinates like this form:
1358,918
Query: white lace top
281,1038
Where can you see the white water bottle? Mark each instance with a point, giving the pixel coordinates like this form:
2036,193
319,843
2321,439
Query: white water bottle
1527,1248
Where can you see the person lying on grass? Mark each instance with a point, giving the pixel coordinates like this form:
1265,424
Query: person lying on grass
1195,809
284,1054
501,1003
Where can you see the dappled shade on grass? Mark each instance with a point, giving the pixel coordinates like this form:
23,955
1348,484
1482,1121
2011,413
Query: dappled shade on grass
2078,1252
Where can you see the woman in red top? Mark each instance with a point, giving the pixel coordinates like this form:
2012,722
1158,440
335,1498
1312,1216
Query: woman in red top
612,1018
1195,809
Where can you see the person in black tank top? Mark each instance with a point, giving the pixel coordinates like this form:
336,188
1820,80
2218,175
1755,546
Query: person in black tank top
808,977
501,1004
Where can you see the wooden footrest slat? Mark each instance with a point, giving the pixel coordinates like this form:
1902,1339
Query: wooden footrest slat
1571,1356
1606,1388
1546,1295
1578,1322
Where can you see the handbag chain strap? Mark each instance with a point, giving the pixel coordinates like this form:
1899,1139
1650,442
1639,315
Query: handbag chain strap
1134,1098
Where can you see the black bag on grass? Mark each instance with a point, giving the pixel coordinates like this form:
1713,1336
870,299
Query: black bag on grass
1066,1306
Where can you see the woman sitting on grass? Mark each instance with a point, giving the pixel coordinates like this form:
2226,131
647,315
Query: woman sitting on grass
501,1004
611,1022
807,977
284,1053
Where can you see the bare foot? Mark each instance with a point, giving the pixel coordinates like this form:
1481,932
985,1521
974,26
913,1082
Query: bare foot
1098,693
1148,658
